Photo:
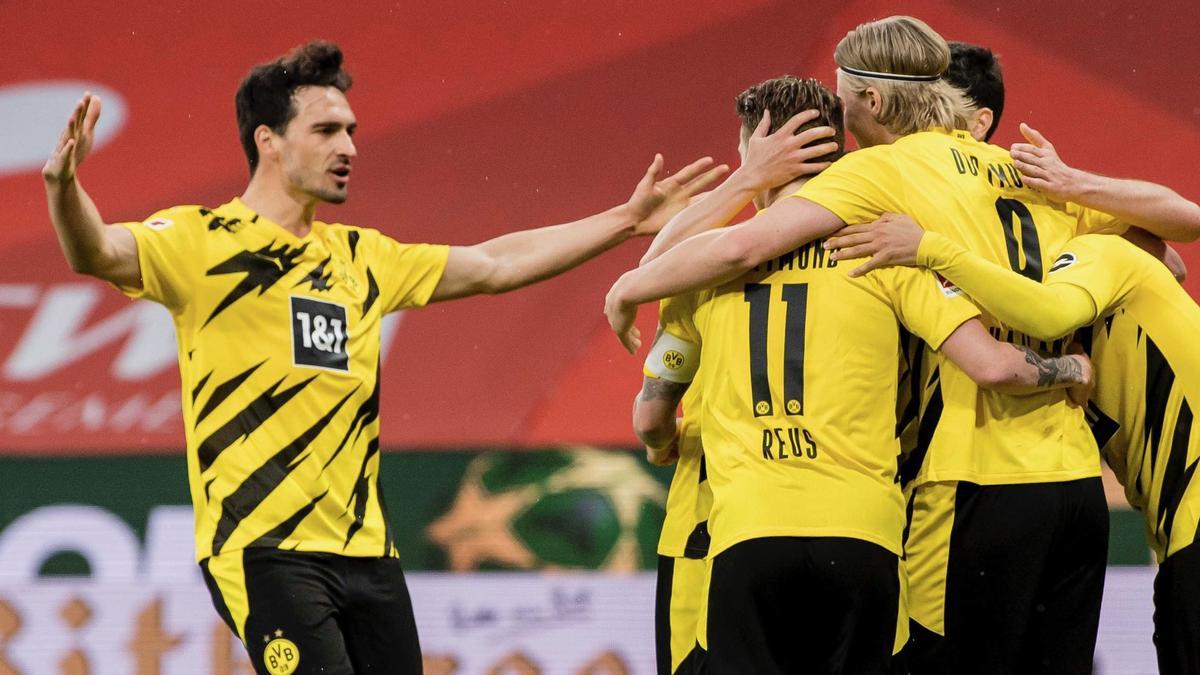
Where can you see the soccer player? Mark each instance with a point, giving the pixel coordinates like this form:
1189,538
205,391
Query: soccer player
277,317
799,443
802,109
1148,374
1023,548
683,544
975,70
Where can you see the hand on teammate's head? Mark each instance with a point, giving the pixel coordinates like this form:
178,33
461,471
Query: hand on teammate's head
771,160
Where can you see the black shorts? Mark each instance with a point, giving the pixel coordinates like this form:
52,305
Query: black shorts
1006,578
1177,612
302,612
802,605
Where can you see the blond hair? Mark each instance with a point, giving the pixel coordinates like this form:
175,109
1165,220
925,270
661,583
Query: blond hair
903,45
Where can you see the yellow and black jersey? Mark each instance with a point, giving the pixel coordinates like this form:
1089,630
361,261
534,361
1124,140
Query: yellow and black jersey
689,499
798,419
1147,368
1142,418
1146,362
971,192
279,361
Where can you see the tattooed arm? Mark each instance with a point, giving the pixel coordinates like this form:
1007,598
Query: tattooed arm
1074,371
1009,369
654,418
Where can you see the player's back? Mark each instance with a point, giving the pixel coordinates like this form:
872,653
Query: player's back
971,192
1148,383
799,369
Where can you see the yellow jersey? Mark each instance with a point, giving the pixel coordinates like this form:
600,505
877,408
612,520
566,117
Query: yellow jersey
279,362
972,193
799,378
1146,363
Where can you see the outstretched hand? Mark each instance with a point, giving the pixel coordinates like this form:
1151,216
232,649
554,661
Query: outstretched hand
779,158
75,142
889,242
656,200
1042,169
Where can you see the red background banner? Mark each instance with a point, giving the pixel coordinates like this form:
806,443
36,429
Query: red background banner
478,119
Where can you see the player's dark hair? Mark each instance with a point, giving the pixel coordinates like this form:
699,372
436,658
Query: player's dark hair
788,95
976,71
265,96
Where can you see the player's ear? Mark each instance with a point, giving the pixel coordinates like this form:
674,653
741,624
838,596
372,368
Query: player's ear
981,123
874,100
266,140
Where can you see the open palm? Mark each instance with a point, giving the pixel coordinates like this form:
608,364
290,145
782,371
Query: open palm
654,202
75,142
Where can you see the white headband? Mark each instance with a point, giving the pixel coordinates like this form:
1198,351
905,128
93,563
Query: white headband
889,76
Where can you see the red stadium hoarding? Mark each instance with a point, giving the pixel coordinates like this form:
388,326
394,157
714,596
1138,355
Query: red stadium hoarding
476,120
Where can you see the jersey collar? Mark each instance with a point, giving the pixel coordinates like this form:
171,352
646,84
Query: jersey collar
238,209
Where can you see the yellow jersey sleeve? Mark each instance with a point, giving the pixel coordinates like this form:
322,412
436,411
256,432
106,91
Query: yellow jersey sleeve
928,308
1107,268
677,315
408,273
1042,311
169,254
1092,221
858,188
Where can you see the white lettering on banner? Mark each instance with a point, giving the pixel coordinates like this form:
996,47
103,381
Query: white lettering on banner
141,612
56,336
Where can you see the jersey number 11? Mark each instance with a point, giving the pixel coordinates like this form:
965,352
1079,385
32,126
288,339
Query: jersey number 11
795,297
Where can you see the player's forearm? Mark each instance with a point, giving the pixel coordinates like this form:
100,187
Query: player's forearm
654,409
77,222
1043,311
716,209
1152,207
1021,370
659,435
526,257
695,263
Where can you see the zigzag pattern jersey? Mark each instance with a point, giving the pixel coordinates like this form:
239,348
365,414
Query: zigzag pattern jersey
279,360
1147,382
